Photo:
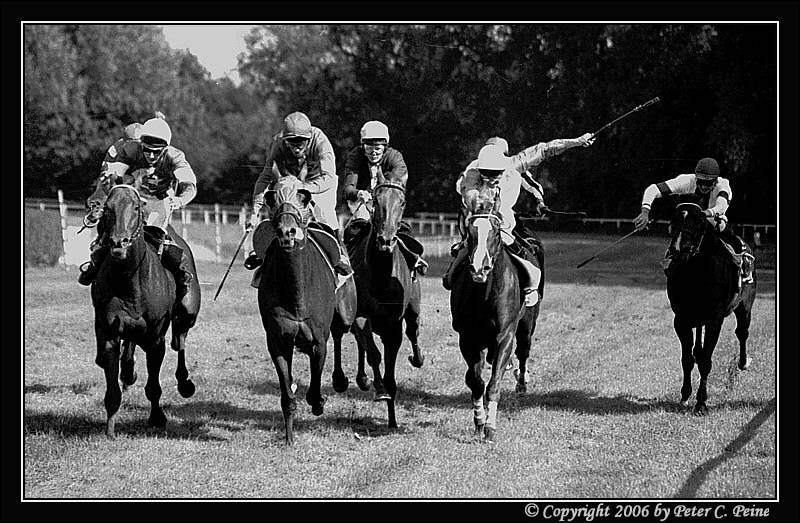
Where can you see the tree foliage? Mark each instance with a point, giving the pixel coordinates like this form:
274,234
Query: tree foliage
442,89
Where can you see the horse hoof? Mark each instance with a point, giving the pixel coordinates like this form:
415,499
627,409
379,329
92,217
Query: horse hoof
416,362
318,409
700,409
186,388
521,388
746,364
479,430
489,434
363,382
127,382
157,420
382,396
340,382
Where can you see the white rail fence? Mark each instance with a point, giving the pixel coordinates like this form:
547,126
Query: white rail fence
436,230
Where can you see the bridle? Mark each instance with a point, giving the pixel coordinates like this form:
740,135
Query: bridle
694,248
139,223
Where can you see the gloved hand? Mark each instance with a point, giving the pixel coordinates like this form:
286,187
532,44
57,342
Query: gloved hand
542,209
364,196
587,139
171,203
640,222
254,221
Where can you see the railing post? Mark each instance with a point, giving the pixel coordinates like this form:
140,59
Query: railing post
217,235
62,210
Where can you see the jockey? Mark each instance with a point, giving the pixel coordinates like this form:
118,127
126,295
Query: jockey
714,193
493,165
168,184
303,151
371,163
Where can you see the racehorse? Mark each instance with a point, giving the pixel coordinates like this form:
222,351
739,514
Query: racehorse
388,294
703,286
487,306
296,296
134,301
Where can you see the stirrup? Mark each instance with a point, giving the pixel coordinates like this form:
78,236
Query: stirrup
531,298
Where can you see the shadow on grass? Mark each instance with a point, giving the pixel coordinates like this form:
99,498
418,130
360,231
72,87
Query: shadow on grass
699,475
567,400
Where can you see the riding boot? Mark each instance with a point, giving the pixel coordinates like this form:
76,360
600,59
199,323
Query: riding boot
342,266
90,268
459,257
252,261
412,250
176,262
531,275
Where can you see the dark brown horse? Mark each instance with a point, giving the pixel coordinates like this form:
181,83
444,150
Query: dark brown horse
703,286
487,305
296,296
388,295
134,302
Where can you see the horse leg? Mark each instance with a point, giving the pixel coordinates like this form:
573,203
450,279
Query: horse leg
152,390
338,378
127,372
362,380
524,336
365,339
743,314
391,346
685,336
503,354
411,318
180,328
472,356
314,395
282,358
713,330
108,359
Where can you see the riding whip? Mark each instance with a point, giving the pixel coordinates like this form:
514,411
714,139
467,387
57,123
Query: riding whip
604,249
637,108
238,248
551,212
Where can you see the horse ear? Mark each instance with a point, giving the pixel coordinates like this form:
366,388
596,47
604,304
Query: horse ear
305,196
269,198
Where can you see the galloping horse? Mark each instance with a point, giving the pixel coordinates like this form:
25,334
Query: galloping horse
134,302
388,294
703,287
296,296
488,311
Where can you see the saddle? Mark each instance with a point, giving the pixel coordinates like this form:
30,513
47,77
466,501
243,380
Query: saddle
164,246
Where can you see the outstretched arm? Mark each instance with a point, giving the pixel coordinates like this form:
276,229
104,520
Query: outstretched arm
533,156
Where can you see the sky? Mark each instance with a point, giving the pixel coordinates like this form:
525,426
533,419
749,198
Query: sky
215,46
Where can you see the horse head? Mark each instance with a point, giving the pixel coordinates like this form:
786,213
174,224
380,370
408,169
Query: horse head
687,228
291,211
122,219
389,202
483,230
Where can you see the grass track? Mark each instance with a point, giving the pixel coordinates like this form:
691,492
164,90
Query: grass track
600,420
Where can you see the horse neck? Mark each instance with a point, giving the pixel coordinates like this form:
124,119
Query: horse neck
290,283
381,263
126,275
